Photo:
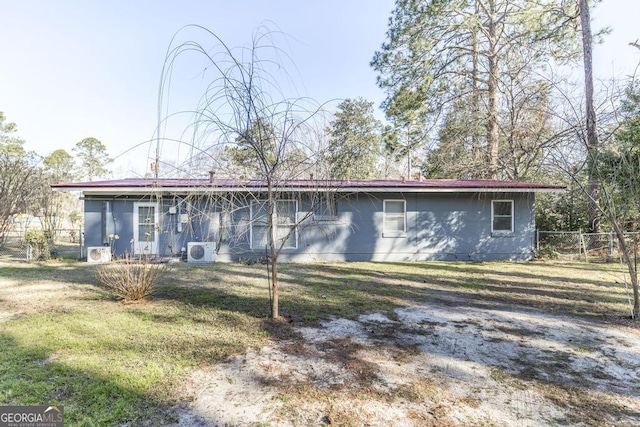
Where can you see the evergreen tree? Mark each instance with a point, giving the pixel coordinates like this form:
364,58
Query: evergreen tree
354,141
440,52
93,158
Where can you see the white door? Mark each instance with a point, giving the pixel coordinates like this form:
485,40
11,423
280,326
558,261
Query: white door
145,228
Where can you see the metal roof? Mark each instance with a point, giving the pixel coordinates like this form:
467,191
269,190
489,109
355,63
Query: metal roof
199,185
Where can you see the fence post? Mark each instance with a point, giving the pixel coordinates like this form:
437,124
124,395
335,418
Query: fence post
579,243
538,241
610,246
584,246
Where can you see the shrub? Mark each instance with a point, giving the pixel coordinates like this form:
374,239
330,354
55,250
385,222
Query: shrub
132,279
39,241
548,251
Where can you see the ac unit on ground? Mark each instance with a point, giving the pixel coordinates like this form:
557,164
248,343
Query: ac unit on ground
201,252
98,254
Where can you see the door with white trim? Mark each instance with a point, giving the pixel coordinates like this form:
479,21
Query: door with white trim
145,228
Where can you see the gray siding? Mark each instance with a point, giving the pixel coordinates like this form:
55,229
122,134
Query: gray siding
439,226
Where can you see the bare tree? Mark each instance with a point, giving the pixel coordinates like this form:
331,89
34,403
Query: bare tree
56,168
19,177
19,184
607,167
245,113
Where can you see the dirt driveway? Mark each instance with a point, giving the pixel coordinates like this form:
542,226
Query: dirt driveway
429,365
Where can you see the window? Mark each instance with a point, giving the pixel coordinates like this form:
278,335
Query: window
284,223
502,216
325,208
394,218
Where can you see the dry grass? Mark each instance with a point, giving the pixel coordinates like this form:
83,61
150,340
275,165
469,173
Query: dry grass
358,393
125,364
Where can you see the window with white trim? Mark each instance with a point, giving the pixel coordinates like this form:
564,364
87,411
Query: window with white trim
394,221
325,208
284,223
502,216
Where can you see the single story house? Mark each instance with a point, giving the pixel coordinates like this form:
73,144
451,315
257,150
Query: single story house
347,220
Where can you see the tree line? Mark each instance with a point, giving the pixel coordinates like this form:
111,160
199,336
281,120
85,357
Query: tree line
26,177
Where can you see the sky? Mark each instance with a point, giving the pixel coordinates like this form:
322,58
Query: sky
73,69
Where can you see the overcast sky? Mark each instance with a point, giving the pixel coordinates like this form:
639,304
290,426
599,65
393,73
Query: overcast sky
71,69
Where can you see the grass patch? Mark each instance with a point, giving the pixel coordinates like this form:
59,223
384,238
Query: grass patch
109,363
64,341
114,363
471,286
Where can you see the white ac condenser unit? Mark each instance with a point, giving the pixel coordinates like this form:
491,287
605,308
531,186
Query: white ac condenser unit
201,252
98,254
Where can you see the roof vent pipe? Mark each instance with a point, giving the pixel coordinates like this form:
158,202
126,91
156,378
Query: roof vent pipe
212,176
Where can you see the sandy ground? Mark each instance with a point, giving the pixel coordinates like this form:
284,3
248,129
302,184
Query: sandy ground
425,365
430,365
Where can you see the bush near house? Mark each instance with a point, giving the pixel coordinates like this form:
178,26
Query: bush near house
40,243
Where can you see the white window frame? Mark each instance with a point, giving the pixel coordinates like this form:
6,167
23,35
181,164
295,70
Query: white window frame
256,203
145,247
494,216
326,208
386,215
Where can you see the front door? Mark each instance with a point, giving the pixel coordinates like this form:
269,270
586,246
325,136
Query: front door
145,228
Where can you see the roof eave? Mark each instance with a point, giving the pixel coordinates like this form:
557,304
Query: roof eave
208,189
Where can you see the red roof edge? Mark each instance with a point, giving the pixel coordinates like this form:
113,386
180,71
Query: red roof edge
186,183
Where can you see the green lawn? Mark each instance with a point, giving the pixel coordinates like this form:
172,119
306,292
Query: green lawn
65,341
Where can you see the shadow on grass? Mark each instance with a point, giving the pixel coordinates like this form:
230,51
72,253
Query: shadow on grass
26,273
32,376
306,293
318,291
489,285
550,276
200,314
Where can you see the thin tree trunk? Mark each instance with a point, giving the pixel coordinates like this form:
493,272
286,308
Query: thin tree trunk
631,267
273,252
492,87
475,97
592,133
274,287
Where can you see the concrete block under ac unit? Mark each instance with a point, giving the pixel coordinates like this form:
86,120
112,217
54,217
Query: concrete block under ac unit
201,252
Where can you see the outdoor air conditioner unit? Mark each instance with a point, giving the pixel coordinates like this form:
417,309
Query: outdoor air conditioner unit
201,252
98,254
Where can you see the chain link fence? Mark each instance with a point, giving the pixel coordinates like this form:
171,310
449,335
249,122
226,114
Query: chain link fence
589,247
34,244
